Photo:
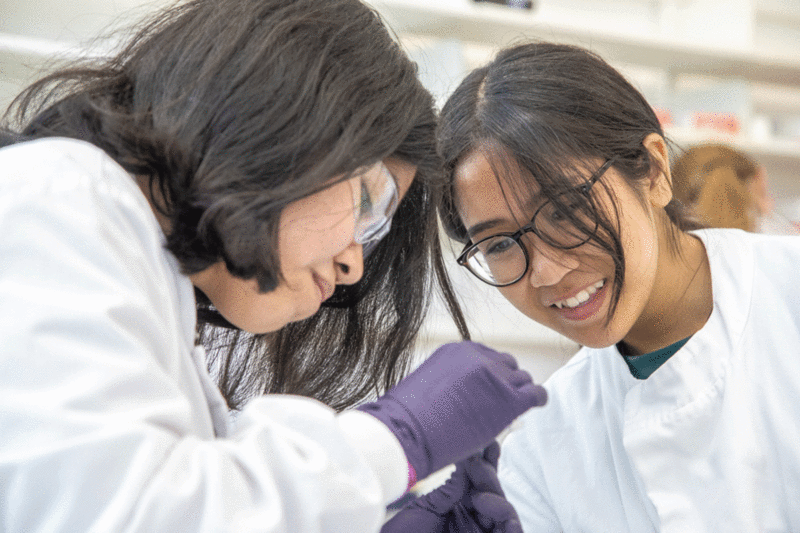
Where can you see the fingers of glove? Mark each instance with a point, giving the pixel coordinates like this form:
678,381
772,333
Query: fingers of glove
465,350
465,357
512,526
502,358
483,476
533,395
442,499
414,519
492,453
493,508
461,520
519,378
476,352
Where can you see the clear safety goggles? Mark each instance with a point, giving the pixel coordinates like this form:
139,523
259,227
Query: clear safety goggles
375,204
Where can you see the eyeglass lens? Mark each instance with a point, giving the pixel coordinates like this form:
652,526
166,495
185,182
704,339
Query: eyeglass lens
567,221
498,259
377,202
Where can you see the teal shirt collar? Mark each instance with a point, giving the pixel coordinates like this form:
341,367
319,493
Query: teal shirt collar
642,366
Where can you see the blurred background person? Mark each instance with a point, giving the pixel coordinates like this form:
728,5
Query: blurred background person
725,188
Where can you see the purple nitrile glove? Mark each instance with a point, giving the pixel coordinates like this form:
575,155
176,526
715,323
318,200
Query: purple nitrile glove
486,502
455,404
470,502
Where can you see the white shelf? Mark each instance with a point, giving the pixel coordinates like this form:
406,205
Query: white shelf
779,12
23,59
789,151
774,99
27,48
487,24
775,78
498,25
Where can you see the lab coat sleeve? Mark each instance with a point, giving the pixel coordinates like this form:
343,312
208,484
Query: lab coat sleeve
521,477
100,431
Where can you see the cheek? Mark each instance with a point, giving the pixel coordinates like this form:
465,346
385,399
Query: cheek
640,242
303,245
242,305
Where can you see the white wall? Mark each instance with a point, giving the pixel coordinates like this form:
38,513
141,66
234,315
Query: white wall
36,34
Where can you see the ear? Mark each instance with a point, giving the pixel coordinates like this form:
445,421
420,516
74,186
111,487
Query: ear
660,190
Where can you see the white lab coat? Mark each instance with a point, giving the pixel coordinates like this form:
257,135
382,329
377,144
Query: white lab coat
710,442
109,421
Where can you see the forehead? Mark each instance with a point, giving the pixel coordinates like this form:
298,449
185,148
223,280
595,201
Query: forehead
489,187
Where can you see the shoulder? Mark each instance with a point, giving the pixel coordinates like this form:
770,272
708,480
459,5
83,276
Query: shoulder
577,392
68,209
59,174
58,165
75,201
747,270
777,251
38,155
734,245
742,259
568,435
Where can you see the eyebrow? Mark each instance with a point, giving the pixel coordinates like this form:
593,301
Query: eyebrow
531,204
480,227
534,201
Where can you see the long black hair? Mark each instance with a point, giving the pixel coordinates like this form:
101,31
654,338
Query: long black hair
234,109
544,110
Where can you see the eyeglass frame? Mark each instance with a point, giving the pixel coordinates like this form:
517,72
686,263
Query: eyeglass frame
369,236
584,188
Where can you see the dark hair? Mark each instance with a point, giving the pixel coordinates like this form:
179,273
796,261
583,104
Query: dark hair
234,109
547,110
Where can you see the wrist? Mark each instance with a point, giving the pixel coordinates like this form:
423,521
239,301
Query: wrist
412,477
405,428
379,449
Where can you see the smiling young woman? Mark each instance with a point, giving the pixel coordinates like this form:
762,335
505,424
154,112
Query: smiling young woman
563,277
560,190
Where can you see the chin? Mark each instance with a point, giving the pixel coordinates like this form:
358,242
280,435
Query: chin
601,340
263,327
596,344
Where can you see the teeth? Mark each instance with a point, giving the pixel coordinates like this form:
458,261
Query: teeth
581,297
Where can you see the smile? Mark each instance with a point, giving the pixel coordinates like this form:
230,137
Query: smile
580,298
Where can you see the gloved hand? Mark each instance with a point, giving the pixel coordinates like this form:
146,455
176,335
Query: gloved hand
471,501
455,404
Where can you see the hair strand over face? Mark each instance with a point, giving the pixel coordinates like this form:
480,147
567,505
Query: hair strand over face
552,112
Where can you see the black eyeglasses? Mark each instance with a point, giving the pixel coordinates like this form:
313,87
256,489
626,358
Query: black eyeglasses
566,221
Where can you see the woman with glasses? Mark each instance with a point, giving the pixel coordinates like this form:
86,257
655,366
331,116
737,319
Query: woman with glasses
256,178
680,412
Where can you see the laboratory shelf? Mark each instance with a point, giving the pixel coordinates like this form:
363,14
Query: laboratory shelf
782,12
774,149
499,25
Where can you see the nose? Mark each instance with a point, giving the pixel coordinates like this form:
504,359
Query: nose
548,265
349,265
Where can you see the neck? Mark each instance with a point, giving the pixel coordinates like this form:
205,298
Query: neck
681,300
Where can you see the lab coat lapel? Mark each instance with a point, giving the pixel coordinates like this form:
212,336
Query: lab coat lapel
677,426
